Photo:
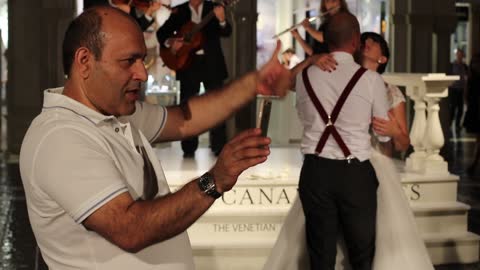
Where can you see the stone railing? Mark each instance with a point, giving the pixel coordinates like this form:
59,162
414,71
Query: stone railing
426,134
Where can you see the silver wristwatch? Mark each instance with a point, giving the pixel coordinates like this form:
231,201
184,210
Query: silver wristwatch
206,183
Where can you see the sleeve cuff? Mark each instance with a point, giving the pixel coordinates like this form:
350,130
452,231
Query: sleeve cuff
98,201
162,125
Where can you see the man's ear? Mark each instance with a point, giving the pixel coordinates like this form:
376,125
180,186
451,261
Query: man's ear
356,41
382,60
83,60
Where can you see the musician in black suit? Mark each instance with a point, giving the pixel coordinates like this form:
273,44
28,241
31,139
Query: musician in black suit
208,63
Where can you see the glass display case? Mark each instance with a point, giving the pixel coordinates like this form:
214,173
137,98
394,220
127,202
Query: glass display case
164,92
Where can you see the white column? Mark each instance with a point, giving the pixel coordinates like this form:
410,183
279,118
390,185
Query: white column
426,134
434,139
436,89
416,160
79,6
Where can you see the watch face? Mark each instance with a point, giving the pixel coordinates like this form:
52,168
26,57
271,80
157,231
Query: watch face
207,185
207,182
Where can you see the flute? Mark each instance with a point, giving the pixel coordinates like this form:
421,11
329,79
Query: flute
311,19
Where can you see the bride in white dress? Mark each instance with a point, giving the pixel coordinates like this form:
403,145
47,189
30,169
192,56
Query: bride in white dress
398,243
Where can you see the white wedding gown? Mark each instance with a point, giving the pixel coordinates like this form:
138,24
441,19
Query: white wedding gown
399,245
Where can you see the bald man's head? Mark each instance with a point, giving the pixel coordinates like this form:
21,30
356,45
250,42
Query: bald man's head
343,32
87,30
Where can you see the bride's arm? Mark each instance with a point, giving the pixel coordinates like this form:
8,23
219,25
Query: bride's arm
395,127
401,140
324,61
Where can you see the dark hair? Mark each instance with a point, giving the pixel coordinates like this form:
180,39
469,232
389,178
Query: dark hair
383,47
340,30
83,31
343,7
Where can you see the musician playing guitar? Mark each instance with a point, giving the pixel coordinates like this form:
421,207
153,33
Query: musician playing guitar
206,63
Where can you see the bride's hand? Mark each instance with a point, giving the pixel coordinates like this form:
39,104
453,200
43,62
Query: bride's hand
388,127
324,61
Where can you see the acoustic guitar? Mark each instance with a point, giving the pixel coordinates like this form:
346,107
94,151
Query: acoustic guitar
193,40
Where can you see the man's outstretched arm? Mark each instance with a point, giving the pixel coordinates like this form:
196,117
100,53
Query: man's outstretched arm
133,225
204,112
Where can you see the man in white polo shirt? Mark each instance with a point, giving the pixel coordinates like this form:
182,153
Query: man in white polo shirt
96,194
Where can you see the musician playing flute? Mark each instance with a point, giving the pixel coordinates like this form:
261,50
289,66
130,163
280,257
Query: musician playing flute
318,53
329,8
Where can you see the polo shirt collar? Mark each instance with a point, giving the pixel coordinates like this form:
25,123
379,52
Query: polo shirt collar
54,99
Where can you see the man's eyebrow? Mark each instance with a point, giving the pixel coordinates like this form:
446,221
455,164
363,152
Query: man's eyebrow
134,55
139,55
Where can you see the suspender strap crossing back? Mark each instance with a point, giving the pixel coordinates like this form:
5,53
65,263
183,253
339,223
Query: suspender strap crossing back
329,120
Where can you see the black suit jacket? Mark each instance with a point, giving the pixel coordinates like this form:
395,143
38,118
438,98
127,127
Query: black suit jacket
215,61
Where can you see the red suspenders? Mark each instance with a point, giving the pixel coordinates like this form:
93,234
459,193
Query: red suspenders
329,120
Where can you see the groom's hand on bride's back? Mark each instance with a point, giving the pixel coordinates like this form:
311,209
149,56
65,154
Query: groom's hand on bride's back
245,150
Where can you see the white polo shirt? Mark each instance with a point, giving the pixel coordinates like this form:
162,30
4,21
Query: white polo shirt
367,99
74,160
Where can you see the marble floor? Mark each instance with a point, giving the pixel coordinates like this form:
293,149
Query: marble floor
18,249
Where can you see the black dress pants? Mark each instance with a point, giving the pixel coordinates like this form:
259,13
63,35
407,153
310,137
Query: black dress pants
337,195
190,80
